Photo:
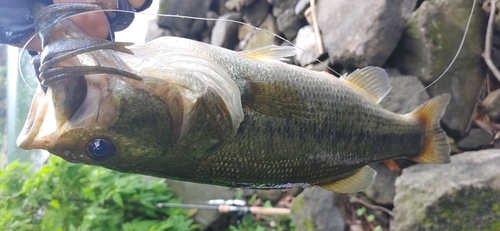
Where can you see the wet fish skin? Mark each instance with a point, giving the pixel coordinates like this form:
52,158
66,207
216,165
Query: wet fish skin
287,126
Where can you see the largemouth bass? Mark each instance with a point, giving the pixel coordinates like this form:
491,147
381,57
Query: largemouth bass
186,110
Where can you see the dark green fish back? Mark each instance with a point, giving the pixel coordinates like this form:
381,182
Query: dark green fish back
338,131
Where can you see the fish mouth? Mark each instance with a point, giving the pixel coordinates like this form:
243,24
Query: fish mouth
81,102
74,71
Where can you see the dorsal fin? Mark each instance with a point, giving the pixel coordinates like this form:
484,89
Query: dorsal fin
374,81
270,53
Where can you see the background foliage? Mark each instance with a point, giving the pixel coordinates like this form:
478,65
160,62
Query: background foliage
65,196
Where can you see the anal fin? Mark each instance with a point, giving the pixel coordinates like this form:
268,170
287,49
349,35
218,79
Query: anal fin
359,181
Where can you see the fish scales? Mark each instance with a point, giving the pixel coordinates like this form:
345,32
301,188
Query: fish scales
330,141
186,110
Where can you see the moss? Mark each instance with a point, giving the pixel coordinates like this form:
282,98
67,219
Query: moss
493,226
467,209
305,221
298,204
309,225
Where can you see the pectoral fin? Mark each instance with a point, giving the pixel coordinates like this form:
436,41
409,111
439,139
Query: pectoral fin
275,98
359,181
373,81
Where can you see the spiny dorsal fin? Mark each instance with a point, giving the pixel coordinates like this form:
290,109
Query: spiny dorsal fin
270,53
374,81
359,181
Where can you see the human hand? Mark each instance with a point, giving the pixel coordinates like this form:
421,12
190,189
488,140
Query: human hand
93,24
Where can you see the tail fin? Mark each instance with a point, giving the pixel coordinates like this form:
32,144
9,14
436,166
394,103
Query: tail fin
436,148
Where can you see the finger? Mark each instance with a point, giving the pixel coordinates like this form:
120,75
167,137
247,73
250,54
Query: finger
93,24
33,45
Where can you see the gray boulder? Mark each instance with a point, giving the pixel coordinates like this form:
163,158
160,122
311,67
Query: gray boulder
225,34
428,45
256,12
359,33
382,190
287,21
476,139
306,41
237,4
251,38
314,209
154,31
301,7
182,27
462,195
407,93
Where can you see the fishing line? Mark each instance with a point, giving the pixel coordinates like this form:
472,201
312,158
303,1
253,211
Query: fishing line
171,16
258,29
454,57
19,62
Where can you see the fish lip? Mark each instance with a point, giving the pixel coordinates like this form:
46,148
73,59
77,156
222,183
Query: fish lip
35,118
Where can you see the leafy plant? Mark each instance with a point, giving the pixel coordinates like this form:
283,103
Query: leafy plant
65,196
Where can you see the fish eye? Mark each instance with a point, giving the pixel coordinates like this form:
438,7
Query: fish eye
100,149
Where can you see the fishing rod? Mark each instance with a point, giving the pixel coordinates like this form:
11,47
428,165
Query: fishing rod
227,206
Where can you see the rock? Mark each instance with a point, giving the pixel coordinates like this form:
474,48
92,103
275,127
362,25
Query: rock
427,47
154,31
281,6
491,105
314,209
271,195
182,27
382,190
476,139
401,85
287,21
306,41
497,17
238,4
192,192
251,38
462,195
301,7
225,34
256,13
211,23
359,33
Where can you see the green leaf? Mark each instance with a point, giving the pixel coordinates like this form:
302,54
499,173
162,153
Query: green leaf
267,204
117,198
252,199
238,194
370,218
54,204
361,211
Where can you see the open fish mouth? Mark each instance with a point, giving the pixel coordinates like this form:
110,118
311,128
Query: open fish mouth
73,71
86,83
